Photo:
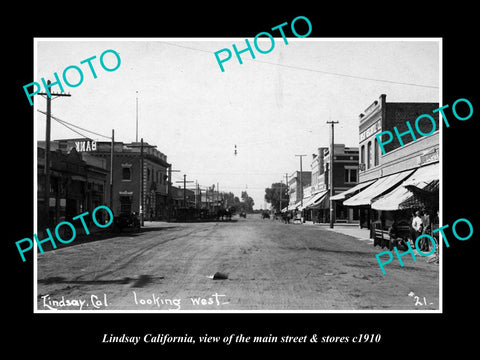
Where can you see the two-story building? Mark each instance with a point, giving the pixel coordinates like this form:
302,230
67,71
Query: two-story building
382,193
127,174
345,175
132,163
297,181
76,185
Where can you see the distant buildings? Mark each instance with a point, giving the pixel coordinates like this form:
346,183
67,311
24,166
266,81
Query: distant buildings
297,181
345,176
312,200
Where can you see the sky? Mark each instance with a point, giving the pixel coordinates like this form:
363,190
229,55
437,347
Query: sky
271,107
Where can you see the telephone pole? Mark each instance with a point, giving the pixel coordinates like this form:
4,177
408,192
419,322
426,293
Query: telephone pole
332,145
111,169
185,189
281,191
49,95
288,187
136,121
141,183
169,192
301,180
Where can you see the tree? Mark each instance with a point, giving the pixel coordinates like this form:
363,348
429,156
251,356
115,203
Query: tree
233,202
247,202
272,195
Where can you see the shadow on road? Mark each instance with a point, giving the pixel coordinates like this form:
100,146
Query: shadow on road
139,282
82,238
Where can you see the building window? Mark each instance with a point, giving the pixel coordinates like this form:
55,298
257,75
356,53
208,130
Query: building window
351,175
125,204
126,173
377,152
369,155
362,155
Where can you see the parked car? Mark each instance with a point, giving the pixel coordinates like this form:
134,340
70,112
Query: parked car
126,220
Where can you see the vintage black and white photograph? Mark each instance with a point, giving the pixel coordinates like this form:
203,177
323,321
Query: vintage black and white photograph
273,174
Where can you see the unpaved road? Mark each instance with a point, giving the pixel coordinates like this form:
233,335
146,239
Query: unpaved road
270,266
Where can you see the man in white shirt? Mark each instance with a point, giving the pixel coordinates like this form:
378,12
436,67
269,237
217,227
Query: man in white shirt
417,225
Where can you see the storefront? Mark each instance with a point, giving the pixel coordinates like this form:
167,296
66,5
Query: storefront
419,192
390,185
364,199
311,206
75,186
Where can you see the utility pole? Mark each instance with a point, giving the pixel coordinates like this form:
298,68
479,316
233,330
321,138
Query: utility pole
332,145
141,184
136,121
49,95
301,180
196,194
281,191
111,169
169,192
185,189
288,187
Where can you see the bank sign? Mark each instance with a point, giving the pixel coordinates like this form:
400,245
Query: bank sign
85,145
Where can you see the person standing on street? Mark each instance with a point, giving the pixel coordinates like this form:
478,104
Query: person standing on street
427,228
417,226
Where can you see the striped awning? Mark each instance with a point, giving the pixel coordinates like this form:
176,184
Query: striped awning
352,191
312,200
380,187
402,197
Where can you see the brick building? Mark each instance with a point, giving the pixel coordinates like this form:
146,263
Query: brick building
76,185
127,174
297,181
380,174
127,189
383,116
345,175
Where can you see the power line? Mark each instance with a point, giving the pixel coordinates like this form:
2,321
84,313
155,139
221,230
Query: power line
186,47
320,71
68,127
63,122
347,75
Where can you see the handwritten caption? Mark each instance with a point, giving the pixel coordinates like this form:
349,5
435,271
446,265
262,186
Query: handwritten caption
152,300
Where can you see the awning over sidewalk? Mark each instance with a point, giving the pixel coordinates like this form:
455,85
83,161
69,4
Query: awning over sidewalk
294,206
400,198
322,203
381,186
314,199
350,192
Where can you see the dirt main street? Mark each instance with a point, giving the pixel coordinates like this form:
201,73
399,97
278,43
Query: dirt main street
270,266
